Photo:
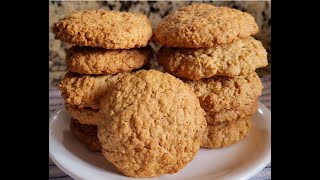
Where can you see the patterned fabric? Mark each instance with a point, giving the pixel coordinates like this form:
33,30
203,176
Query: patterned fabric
55,101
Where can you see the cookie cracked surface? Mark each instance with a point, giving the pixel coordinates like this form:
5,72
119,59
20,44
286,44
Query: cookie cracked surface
85,90
151,124
204,25
227,99
241,57
106,29
226,133
88,60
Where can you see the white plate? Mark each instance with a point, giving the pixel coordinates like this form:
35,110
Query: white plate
239,161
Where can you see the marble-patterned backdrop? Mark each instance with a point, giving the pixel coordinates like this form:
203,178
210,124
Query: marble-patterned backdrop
155,10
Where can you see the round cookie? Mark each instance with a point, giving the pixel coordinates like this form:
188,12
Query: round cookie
204,25
226,133
230,115
241,57
227,99
87,134
85,90
106,29
152,124
87,116
88,60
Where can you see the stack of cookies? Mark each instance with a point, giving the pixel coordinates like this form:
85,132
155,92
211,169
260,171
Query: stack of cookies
107,45
212,50
148,123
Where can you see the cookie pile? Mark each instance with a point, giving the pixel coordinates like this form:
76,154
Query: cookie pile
212,50
148,123
107,45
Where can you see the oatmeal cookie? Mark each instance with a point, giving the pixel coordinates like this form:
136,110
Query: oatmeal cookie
87,134
226,133
151,124
87,116
88,60
238,58
85,90
204,25
106,29
227,99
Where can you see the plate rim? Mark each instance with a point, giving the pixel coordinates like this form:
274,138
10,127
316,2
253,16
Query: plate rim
256,170
56,162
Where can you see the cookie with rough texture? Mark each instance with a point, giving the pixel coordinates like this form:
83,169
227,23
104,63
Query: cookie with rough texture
85,90
87,134
204,25
227,99
106,29
241,57
226,133
152,124
88,60
83,115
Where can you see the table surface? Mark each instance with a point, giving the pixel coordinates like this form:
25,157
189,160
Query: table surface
55,101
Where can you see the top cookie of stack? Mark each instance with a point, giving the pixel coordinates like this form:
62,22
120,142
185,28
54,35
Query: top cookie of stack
107,44
113,39
207,41
106,29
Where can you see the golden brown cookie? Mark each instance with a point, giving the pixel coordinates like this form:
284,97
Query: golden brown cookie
88,60
85,90
83,115
204,25
152,124
106,29
87,134
241,57
226,133
227,99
